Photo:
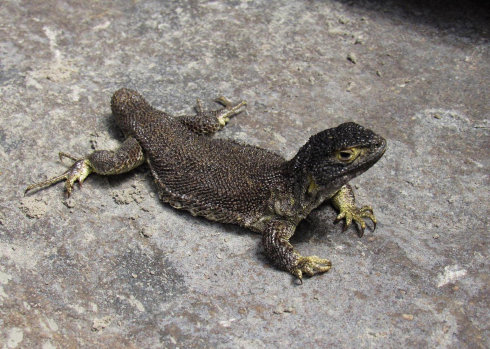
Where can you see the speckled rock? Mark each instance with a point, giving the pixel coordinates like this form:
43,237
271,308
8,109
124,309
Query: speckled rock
115,268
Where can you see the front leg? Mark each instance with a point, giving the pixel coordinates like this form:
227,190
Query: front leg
345,202
208,122
128,156
282,254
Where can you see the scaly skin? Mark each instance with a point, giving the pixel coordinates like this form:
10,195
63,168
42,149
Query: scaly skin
230,182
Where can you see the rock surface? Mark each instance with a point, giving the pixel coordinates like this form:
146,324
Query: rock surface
114,268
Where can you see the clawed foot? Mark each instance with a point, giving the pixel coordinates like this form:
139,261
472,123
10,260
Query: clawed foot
310,266
345,202
353,213
223,115
77,172
229,110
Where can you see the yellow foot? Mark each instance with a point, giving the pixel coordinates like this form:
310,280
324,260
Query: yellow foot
229,111
310,266
356,214
345,202
77,172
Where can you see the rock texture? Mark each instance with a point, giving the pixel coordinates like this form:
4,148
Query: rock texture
416,74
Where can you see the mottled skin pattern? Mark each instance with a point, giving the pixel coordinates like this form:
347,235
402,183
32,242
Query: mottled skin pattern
230,182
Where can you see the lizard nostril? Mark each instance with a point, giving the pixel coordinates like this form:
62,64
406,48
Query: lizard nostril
378,143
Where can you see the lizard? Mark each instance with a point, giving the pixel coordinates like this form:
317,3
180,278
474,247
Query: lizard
229,182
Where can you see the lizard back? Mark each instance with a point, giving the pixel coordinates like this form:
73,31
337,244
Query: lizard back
220,179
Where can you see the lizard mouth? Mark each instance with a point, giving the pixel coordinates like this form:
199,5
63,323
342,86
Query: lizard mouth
335,156
380,146
370,154
373,153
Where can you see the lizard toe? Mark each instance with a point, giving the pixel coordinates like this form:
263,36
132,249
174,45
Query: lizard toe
310,266
78,172
355,214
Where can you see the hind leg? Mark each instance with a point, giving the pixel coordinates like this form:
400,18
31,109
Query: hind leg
208,122
125,158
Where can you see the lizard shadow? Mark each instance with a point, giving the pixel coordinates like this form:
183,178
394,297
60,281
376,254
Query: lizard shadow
319,225
109,124
318,228
115,181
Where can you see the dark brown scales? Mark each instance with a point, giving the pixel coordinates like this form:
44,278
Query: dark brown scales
230,182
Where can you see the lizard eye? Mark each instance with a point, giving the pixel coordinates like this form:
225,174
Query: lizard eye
347,155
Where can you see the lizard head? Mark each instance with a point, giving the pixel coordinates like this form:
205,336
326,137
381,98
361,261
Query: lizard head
336,155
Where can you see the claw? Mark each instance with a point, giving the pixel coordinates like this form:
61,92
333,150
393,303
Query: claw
361,229
356,215
229,110
310,266
66,155
367,212
199,106
225,101
299,274
77,172
339,217
345,202
366,209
